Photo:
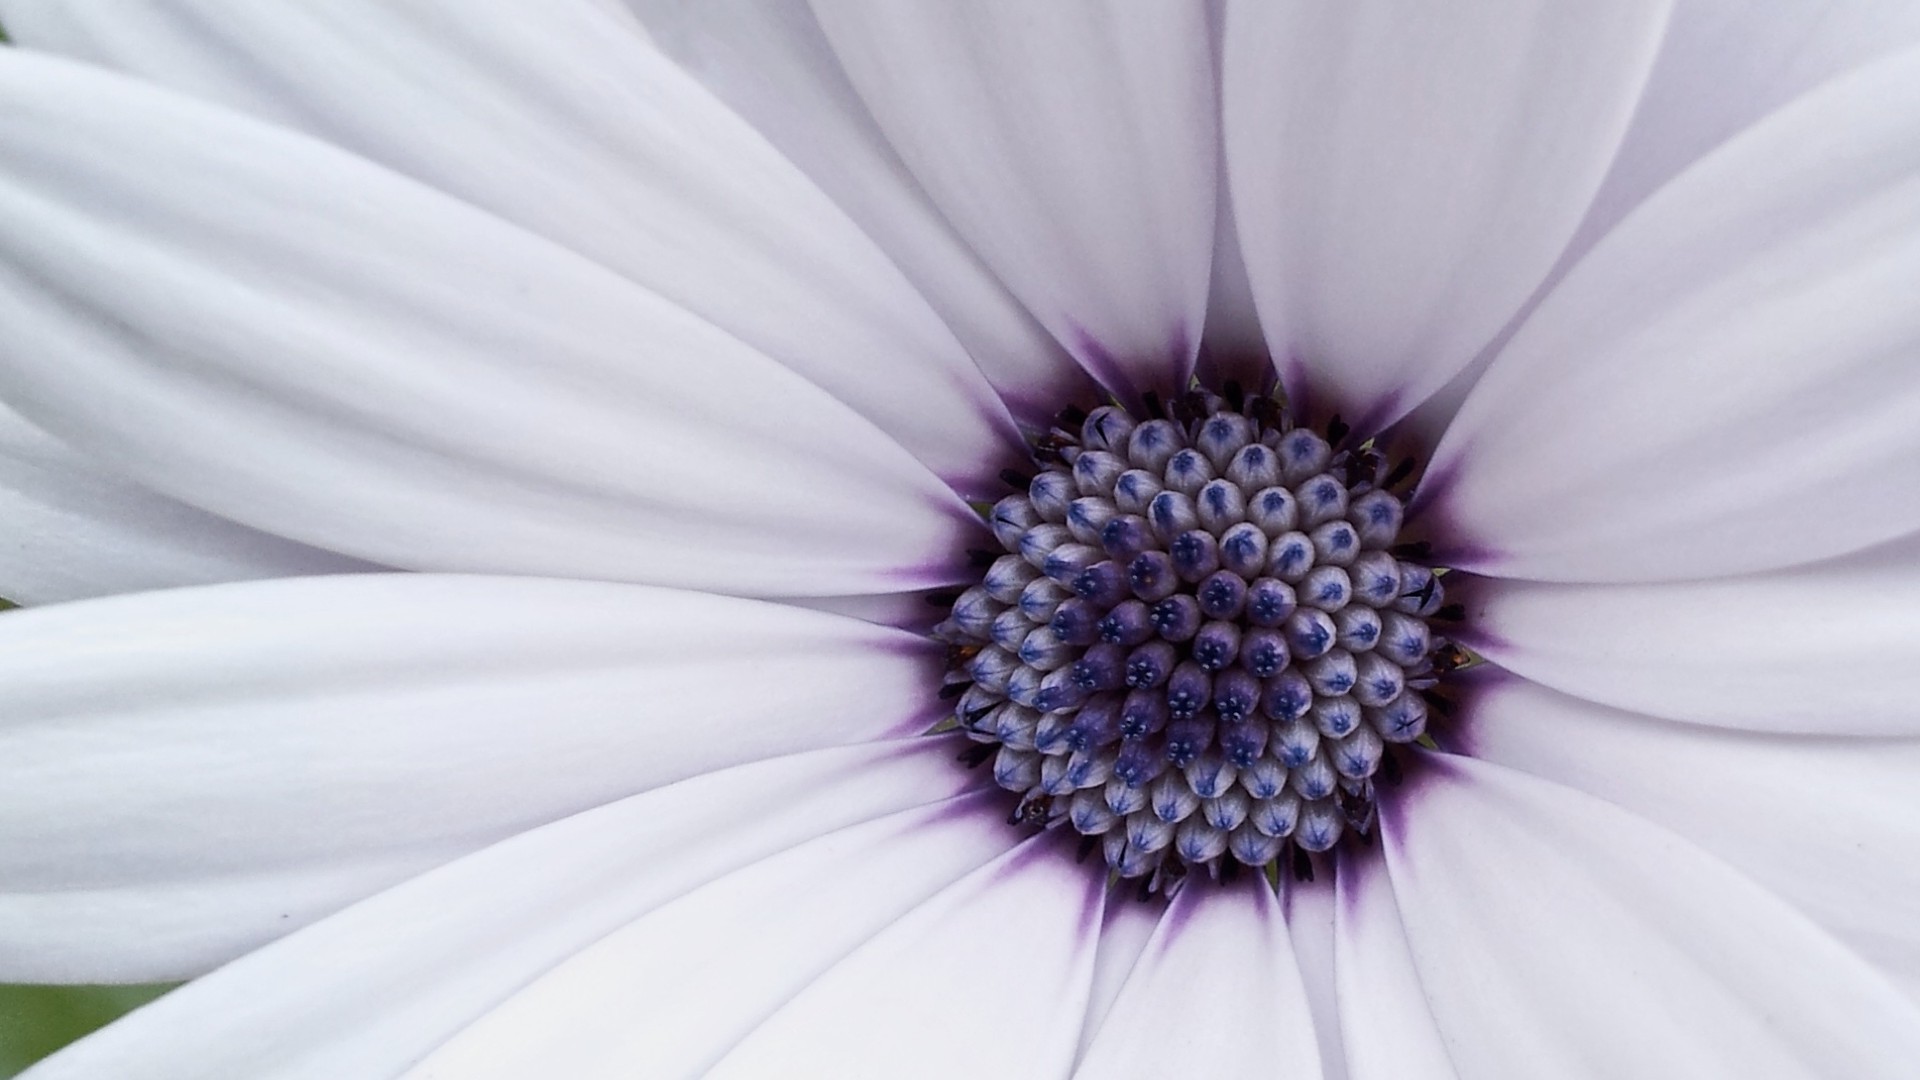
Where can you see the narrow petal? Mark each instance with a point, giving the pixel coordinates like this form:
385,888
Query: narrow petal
1557,935
671,993
770,62
437,389
367,992
1830,825
573,127
1309,907
75,530
1825,649
187,774
1721,68
988,978
1073,144
1216,993
1124,933
1386,1021
1404,175
1726,383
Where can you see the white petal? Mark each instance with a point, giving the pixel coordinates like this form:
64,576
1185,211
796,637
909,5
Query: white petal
296,339
1832,648
1557,935
1309,907
1404,175
1830,824
257,755
1215,994
1386,1024
1723,66
572,126
769,60
988,978
1726,383
671,993
1124,932
368,991
75,530
1073,144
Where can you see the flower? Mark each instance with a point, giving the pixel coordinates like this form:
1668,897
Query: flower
642,338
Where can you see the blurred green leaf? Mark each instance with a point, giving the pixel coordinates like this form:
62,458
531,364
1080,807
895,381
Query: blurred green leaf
37,1020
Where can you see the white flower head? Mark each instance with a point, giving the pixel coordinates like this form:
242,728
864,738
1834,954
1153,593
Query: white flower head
1454,614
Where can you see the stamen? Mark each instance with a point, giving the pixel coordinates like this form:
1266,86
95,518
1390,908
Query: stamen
1202,639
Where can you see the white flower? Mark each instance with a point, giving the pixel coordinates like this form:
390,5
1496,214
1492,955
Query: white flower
643,333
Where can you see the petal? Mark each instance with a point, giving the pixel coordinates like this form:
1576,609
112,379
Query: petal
1830,825
1725,384
1722,67
1824,649
187,774
367,992
1124,933
770,62
1403,177
669,994
1072,144
1009,948
76,530
571,126
1559,936
1386,1024
1215,993
439,389
1309,907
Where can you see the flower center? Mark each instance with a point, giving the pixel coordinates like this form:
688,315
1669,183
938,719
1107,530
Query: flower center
1202,643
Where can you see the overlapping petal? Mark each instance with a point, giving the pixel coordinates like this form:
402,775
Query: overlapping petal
440,389
1721,68
75,530
1009,947
369,991
1216,990
188,774
1309,907
770,61
1386,1022
1825,649
1831,825
1073,145
1726,383
1404,175
671,993
1551,928
572,126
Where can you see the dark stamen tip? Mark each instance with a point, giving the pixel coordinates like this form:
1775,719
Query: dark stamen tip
1337,430
1302,864
953,690
1014,478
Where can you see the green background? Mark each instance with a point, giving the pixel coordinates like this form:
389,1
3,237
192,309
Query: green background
37,1020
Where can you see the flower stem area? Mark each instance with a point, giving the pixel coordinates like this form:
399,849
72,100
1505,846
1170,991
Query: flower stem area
37,1020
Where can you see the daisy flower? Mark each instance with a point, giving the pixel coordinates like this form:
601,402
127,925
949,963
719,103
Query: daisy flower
1418,509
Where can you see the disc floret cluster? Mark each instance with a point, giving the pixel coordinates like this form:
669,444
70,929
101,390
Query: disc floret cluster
1202,639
